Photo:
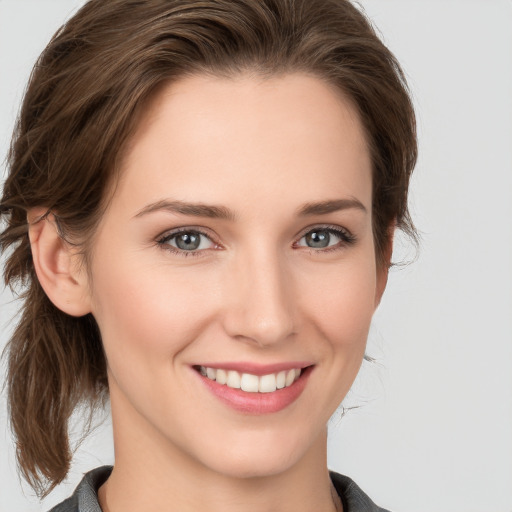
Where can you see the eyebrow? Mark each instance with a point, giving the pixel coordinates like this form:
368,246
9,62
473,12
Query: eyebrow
221,212
184,208
324,207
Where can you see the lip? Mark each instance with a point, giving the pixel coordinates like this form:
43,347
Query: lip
257,403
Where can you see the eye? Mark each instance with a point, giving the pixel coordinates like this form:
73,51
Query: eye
329,238
186,242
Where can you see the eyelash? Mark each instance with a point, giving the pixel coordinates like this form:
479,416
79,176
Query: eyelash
346,239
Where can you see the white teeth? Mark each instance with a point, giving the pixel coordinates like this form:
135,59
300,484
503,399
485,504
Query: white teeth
267,383
290,377
281,380
249,383
222,376
233,379
252,383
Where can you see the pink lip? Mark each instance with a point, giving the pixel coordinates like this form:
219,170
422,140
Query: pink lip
258,369
257,403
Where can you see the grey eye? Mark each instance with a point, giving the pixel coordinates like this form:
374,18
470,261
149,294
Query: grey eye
318,239
188,241
326,237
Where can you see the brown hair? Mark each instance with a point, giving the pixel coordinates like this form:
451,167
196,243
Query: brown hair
84,96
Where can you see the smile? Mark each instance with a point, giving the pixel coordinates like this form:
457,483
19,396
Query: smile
252,383
252,389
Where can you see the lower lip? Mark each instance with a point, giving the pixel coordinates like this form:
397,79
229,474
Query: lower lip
258,403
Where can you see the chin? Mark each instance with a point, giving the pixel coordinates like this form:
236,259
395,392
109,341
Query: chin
258,458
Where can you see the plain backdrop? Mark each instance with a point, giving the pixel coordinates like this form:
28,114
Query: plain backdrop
432,427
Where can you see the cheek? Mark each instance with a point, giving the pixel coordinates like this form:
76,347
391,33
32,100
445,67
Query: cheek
344,304
340,308
146,313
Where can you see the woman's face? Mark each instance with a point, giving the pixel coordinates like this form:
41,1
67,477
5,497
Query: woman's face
239,239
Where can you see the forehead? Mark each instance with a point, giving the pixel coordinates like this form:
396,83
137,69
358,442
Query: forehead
211,137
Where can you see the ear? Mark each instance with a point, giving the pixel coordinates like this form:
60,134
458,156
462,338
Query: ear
57,265
384,265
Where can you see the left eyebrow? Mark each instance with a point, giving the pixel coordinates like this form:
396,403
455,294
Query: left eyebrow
325,207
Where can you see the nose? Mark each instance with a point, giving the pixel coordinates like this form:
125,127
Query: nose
260,308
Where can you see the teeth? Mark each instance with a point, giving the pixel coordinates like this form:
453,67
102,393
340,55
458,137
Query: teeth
222,376
290,377
281,380
249,383
233,380
252,383
267,383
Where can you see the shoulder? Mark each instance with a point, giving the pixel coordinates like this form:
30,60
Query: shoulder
85,497
354,499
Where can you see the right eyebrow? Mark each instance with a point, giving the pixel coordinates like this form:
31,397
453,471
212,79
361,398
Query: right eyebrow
184,208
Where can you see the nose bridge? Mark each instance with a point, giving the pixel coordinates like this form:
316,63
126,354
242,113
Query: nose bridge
261,306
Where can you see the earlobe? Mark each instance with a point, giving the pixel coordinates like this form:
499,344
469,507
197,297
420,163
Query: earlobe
56,265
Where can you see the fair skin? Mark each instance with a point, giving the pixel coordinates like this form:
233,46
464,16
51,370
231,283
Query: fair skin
254,286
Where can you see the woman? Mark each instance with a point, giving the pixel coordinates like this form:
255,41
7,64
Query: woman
201,199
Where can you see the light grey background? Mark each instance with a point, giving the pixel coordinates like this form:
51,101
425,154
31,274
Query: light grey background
434,432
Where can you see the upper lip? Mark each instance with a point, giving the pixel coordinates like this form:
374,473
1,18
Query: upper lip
255,368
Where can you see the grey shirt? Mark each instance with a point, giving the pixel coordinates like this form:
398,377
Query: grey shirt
85,497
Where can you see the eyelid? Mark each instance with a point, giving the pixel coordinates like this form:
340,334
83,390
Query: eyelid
329,227
184,229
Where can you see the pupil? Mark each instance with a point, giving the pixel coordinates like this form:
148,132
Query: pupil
188,241
318,239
